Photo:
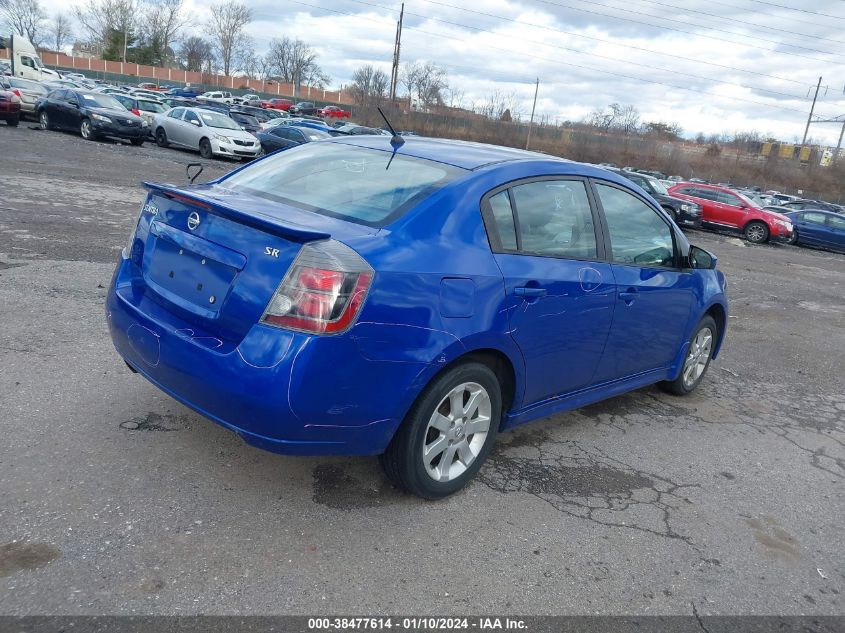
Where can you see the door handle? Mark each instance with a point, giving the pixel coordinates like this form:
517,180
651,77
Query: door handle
628,296
528,291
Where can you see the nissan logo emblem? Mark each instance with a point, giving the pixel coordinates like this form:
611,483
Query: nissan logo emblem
193,220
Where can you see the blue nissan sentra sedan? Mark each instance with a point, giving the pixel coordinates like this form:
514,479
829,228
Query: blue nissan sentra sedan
360,296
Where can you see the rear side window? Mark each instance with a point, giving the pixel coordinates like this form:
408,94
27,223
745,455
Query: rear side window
814,218
836,222
358,184
638,235
555,219
500,208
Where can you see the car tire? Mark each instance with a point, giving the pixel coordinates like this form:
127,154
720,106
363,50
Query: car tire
137,142
44,121
13,122
205,148
672,213
87,130
467,396
794,237
161,138
756,232
697,360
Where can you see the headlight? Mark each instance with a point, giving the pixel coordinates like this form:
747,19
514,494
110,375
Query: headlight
784,224
222,139
686,207
144,124
100,117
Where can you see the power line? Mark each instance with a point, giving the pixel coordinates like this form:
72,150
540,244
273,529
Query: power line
555,61
738,21
672,28
781,6
597,55
793,19
631,46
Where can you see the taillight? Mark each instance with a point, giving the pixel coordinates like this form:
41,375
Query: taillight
323,290
135,111
16,92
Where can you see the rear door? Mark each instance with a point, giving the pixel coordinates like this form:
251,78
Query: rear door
559,293
650,287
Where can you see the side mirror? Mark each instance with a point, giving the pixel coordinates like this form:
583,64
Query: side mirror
196,123
699,258
743,206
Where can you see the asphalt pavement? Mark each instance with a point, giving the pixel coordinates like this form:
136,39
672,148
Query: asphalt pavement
115,499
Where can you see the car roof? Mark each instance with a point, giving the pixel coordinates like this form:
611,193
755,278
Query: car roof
464,154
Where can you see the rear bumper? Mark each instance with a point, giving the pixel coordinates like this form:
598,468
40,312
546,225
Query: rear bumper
281,391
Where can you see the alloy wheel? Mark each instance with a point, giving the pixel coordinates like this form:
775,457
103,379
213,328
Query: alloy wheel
698,356
85,129
456,431
756,233
44,121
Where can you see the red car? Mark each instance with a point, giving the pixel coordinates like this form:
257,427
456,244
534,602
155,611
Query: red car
277,104
723,208
334,112
10,108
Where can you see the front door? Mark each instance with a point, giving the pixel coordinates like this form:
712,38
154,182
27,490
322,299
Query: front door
559,294
650,288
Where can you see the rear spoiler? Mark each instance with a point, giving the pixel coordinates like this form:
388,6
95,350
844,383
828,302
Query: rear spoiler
288,230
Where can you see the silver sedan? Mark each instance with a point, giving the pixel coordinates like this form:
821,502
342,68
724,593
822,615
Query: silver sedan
211,133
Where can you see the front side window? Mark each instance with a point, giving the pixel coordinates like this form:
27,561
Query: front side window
176,113
555,219
638,235
814,218
191,116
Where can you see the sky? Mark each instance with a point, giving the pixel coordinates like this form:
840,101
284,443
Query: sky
711,66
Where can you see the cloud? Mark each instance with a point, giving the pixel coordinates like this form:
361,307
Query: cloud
761,61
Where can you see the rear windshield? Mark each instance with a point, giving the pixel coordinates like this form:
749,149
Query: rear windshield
343,181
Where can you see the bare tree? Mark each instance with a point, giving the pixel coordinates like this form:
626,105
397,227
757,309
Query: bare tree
369,85
226,27
425,83
195,53
294,61
105,19
60,31
26,17
498,104
623,118
163,21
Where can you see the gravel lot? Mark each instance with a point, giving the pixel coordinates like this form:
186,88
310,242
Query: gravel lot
114,499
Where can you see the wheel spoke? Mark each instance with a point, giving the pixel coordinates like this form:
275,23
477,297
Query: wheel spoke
471,407
456,402
465,453
481,424
434,449
446,461
440,422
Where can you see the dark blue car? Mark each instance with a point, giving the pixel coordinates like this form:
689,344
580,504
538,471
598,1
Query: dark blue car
822,229
346,297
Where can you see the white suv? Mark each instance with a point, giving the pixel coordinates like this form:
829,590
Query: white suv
219,97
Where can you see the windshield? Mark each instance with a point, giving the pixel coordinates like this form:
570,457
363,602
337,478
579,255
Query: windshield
342,181
751,202
25,84
100,101
151,106
212,119
658,186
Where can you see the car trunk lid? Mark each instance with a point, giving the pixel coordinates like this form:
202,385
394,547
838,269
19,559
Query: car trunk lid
213,257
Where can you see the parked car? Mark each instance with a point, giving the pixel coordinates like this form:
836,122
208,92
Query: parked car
334,112
92,114
285,136
304,107
10,108
5,68
277,104
211,133
277,299
357,130
249,99
823,229
217,96
187,92
800,205
684,212
262,115
782,198
146,94
246,121
151,86
28,92
144,108
723,208
315,125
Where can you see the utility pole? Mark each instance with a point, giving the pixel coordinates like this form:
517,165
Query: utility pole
839,144
533,107
394,73
812,107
